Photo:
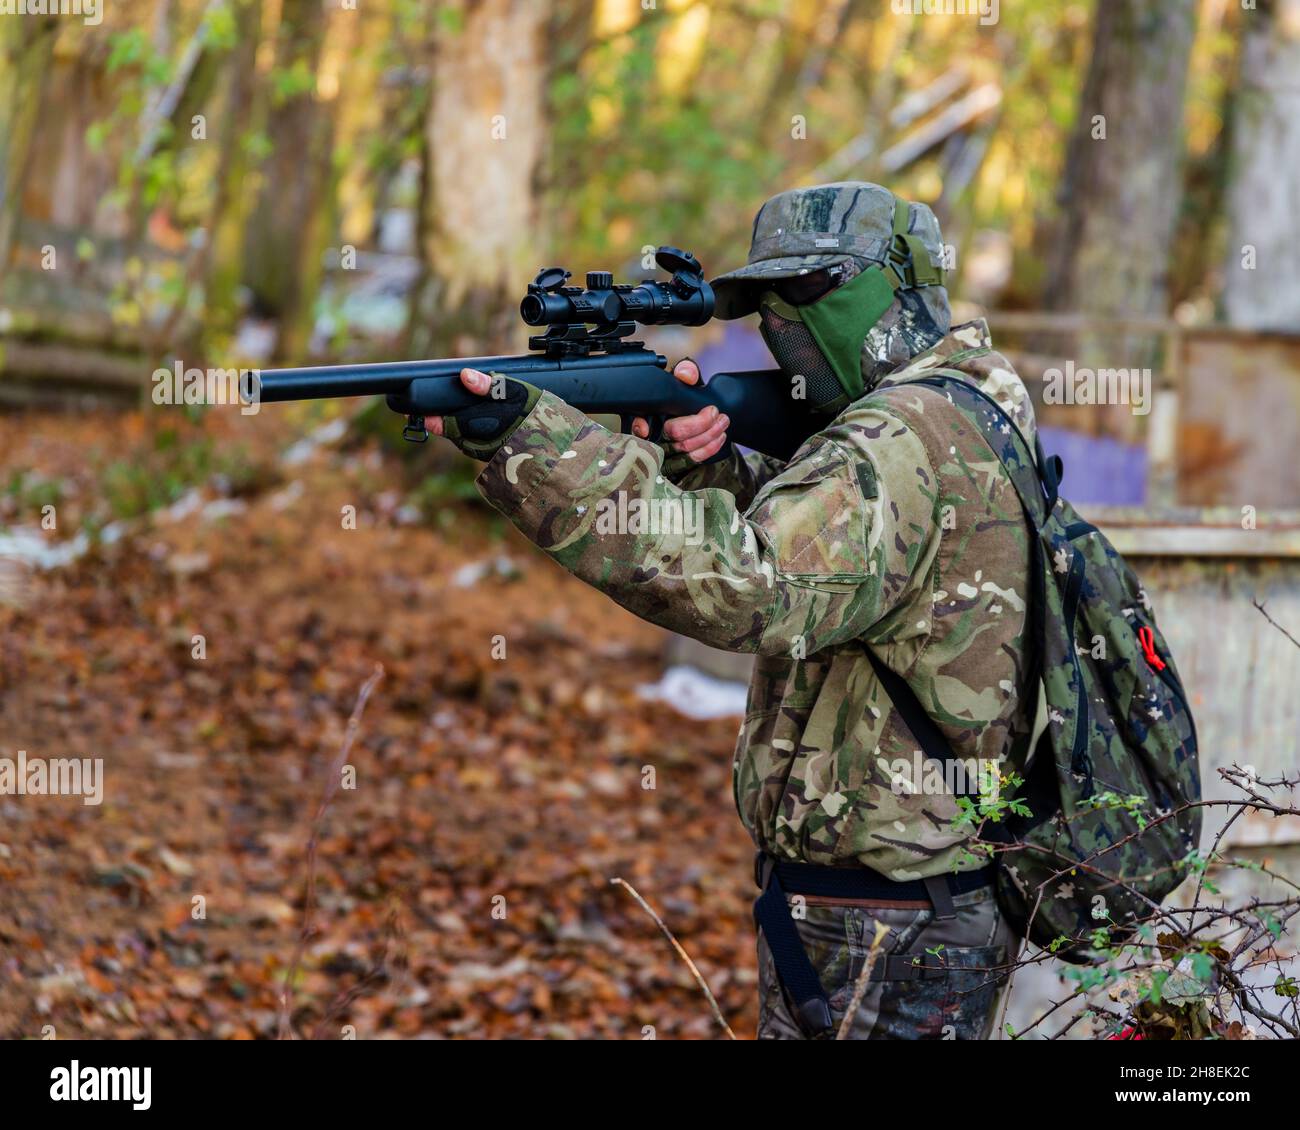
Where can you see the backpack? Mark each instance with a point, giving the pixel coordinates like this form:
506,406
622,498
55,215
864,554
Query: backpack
1119,749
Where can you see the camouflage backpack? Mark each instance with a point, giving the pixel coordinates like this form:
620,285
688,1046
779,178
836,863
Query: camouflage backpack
1119,750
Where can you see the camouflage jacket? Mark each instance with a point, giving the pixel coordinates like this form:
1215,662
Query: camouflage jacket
895,527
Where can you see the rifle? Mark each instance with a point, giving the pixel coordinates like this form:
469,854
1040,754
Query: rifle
584,359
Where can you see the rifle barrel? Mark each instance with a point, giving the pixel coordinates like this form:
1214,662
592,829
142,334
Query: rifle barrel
321,382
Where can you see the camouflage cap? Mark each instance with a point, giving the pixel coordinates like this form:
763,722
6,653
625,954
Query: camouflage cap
807,229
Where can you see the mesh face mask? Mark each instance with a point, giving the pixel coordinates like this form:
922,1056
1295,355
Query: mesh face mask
822,341
796,351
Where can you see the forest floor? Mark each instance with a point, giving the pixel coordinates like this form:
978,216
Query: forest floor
463,880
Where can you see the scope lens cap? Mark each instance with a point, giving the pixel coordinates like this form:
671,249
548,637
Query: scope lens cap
548,278
675,260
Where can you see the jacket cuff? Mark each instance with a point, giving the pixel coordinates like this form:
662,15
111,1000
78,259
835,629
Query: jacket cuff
533,450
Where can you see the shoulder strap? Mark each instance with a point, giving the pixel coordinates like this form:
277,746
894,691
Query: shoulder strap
1036,482
1036,477
927,734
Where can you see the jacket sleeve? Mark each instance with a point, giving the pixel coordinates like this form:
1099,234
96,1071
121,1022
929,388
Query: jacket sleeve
741,476
827,548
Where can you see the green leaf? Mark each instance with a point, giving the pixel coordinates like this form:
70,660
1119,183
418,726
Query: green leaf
96,135
292,81
450,20
220,27
126,48
1182,988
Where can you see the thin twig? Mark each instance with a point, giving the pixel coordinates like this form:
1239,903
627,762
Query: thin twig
667,933
332,781
1275,624
393,935
860,985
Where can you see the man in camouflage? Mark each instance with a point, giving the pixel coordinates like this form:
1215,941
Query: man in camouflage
893,530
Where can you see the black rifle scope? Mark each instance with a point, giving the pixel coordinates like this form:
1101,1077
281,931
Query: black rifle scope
686,300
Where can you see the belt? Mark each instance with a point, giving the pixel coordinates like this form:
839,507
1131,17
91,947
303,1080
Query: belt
776,879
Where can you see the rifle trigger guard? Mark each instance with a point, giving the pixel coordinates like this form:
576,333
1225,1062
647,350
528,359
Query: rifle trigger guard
414,430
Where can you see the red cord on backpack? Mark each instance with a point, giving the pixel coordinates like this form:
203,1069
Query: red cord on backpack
1147,638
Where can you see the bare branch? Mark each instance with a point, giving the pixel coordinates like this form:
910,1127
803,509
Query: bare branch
1275,624
860,986
667,933
333,778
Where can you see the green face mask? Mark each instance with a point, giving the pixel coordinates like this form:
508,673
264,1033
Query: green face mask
838,323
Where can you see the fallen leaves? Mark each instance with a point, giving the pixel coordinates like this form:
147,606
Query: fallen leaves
463,883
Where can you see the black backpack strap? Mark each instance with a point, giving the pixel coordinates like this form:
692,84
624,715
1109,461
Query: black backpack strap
928,735
1037,480
1051,470
812,1008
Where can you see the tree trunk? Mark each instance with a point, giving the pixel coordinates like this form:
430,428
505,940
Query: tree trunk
26,47
280,234
483,147
1109,250
222,255
1262,271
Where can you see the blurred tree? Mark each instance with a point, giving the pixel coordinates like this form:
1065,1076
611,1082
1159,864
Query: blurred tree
26,47
1212,87
483,139
1262,269
281,265
220,262
1108,246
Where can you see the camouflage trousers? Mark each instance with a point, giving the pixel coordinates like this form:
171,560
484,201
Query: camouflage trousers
954,996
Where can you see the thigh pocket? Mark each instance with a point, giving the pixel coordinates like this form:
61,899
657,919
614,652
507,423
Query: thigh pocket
974,979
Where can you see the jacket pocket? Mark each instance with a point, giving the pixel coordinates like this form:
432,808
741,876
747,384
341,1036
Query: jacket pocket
812,518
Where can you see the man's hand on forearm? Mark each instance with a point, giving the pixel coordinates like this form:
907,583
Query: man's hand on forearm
481,430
